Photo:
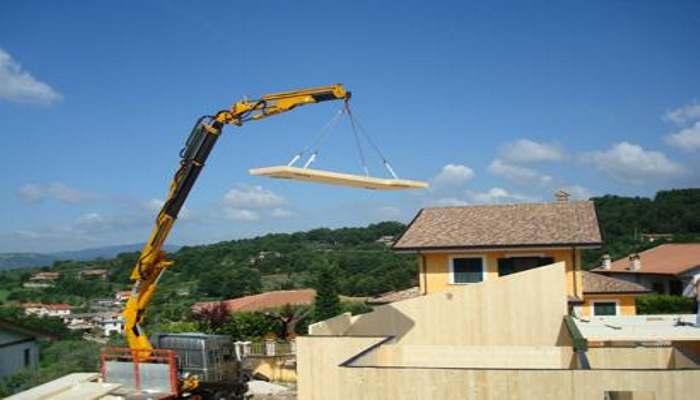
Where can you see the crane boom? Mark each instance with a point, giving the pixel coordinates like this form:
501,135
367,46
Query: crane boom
152,262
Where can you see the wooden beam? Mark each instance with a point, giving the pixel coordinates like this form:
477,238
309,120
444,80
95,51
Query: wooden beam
337,178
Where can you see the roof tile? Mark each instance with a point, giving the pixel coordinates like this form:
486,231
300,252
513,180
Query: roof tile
670,258
523,224
597,283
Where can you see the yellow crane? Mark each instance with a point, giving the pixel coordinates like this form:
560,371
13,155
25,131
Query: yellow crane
152,262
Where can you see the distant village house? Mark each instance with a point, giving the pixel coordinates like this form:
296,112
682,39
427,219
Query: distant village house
672,269
47,310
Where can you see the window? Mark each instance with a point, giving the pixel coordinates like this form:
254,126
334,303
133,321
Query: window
466,270
601,308
511,265
658,288
27,357
675,288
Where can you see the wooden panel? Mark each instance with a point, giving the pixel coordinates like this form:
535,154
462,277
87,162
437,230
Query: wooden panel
337,178
635,357
337,325
436,277
321,378
524,309
434,356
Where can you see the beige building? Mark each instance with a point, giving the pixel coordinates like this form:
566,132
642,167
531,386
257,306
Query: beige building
505,338
491,320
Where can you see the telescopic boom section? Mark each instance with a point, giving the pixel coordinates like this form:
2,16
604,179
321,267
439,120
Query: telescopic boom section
152,262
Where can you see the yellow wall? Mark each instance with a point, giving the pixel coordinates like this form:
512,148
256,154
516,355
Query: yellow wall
627,305
275,368
435,274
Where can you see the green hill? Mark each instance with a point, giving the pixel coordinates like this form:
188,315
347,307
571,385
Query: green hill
365,265
623,221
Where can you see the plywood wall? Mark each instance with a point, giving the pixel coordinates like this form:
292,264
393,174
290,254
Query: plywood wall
434,276
524,309
321,378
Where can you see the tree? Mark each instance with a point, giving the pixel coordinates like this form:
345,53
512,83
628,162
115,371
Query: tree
289,316
229,284
213,317
327,302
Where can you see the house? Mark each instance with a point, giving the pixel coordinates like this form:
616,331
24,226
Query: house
263,301
672,268
79,322
93,274
102,304
42,280
45,276
121,296
46,310
396,295
104,323
386,240
509,337
108,324
606,296
269,300
18,347
465,245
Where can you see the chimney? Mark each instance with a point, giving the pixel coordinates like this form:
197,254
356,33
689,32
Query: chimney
606,262
635,262
561,196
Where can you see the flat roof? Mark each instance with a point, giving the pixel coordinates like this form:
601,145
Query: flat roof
640,328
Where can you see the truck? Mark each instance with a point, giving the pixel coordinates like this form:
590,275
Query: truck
190,365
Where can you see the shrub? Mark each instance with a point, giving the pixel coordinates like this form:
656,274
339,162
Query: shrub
664,304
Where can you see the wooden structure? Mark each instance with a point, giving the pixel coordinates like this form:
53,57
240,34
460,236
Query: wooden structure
337,178
500,339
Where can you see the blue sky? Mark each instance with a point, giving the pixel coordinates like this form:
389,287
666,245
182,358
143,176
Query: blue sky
490,102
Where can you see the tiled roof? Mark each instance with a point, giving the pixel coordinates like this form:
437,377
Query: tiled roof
670,259
597,283
397,295
524,224
268,300
33,332
54,307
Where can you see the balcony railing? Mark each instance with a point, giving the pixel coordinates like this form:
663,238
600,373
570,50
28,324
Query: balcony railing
268,348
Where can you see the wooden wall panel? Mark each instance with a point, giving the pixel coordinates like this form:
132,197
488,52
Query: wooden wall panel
524,309
321,378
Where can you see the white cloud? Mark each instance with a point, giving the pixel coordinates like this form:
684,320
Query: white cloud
282,213
453,174
632,163
241,214
518,173
87,227
33,193
498,195
252,196
682,115
526,150
687,139
20,86
449,202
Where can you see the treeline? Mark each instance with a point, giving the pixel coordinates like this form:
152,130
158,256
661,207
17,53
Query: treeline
237,268
624,220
